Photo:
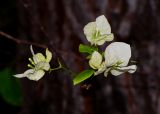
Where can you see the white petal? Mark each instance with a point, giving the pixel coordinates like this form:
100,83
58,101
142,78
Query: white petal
96,60
90,30
19,75
103,25
46,66
29,71
100,42
130,69
24,74
36,75
133,68
116,73
106,72
102,39
119,71
48,56
38,58
110,57
117,52
109,37
101,69
42,65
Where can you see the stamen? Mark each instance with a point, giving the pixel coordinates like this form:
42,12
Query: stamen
32,62
30,66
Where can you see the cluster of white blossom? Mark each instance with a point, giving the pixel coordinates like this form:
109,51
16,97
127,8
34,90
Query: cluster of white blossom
39,64
116,55
115,59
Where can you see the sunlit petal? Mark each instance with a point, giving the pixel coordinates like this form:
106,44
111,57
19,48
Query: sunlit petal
101,69
46,66
116,72
36,75
42,65
106,72
29,71
96,60
48,55
102,39
109,37
90,30
117,52
103,25
119,71
19,75
130,69
38,58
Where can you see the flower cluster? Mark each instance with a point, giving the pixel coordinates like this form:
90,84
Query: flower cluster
39,64
117,56
114,59
98,32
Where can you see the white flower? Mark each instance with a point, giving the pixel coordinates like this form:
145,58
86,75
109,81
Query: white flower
96,62
98,32
39,64
117,56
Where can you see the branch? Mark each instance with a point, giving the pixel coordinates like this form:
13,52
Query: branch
18,41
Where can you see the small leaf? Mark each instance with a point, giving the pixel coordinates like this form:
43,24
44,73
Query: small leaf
94,48
10,88
87,49
83,76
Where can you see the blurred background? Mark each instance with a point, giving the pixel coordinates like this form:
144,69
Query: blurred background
59,24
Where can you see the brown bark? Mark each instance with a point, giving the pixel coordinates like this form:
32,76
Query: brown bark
59,24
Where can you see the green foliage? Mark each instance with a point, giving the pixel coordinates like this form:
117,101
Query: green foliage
87,49
10,89
83,76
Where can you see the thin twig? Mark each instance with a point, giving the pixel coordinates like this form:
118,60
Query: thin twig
18,41
37,22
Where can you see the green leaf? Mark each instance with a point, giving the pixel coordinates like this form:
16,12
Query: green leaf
87,49
83,76
10,88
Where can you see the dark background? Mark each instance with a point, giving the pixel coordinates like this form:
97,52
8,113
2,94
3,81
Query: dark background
59,25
